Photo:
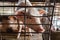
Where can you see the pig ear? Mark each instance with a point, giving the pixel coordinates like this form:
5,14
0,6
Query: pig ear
42,11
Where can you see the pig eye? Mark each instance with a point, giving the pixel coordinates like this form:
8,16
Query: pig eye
23,12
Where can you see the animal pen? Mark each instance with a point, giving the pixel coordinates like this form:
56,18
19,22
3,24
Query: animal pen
12,27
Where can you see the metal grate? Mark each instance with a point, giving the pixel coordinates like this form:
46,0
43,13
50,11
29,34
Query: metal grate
9,8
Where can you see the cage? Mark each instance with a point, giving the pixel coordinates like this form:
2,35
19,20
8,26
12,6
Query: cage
10,22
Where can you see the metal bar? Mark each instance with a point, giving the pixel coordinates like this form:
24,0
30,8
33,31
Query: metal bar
24,32
26,6
52,18
24,23
27,15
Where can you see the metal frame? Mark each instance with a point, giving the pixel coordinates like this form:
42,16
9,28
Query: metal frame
32,16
